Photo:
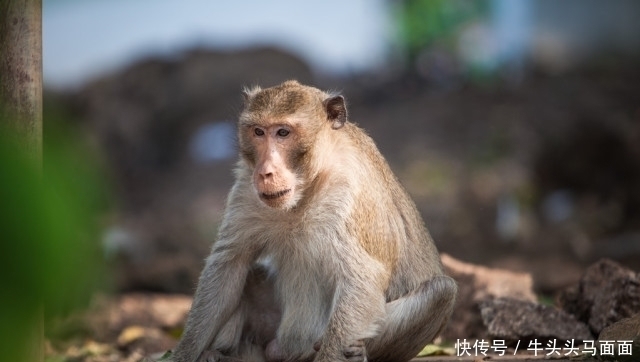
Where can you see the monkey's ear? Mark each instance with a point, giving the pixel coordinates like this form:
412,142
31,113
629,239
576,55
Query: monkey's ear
249,92
336,111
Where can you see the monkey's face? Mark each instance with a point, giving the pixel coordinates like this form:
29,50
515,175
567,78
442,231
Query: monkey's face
272,152
277,130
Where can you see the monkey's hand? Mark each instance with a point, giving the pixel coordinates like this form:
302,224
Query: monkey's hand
355,352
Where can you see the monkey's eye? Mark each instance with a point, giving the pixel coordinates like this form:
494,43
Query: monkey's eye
283,132
258,132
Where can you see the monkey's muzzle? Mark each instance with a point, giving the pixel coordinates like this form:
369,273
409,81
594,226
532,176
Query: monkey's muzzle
275,195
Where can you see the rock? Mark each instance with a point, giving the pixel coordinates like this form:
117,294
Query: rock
606,293
514,320
488,282
550,273
477,283
627,329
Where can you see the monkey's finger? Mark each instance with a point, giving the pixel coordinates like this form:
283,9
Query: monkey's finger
353,351
356,352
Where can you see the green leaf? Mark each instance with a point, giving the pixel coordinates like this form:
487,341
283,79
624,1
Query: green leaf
435,350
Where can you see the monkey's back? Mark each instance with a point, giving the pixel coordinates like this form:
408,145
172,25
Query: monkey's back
388,221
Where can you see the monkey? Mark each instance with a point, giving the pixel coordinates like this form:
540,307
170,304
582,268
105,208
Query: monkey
321,254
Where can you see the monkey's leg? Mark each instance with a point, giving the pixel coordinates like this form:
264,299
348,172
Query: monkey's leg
237,342
252,325
413,321
227,341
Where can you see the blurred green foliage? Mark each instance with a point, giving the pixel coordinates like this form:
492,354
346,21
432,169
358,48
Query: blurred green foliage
49,256
423,24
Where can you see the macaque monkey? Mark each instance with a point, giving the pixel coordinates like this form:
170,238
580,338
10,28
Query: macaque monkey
321,255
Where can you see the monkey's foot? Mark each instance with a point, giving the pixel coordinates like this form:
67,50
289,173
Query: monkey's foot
356,352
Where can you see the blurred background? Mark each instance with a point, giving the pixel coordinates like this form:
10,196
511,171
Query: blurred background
514,124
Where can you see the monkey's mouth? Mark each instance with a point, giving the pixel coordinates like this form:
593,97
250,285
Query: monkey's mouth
274,195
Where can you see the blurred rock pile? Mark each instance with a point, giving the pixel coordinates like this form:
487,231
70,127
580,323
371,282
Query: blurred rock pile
501,304
491,304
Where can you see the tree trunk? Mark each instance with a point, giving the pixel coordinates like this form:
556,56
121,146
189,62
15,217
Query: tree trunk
21,104
21,74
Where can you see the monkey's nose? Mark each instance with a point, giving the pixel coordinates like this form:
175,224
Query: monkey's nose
265,172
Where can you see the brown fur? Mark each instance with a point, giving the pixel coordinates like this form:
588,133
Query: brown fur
320,246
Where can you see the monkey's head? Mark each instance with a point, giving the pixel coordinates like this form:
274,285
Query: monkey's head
280,132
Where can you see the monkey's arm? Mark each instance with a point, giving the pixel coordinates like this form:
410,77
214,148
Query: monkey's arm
217,296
